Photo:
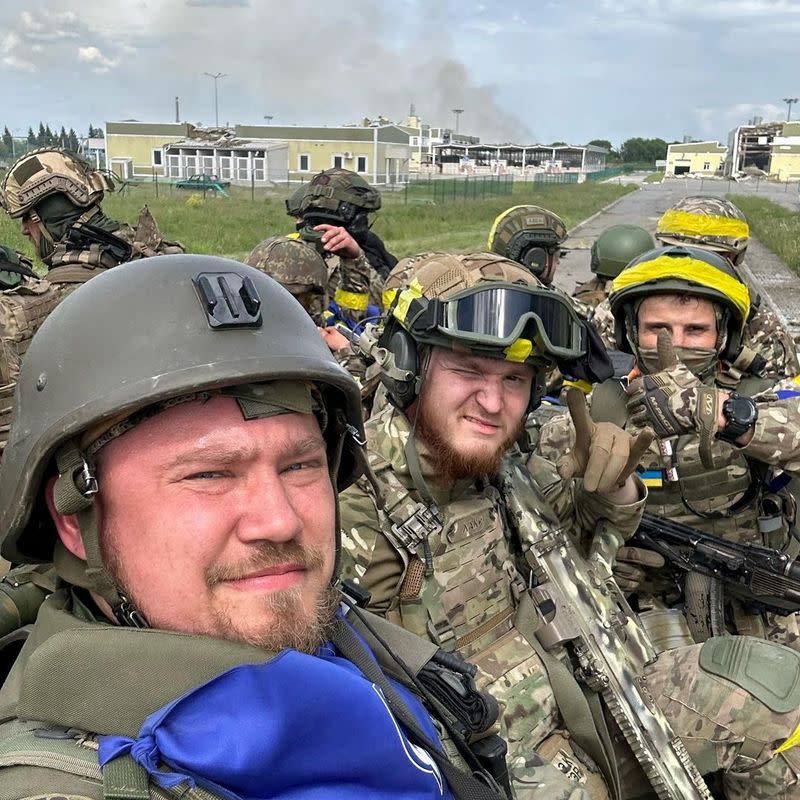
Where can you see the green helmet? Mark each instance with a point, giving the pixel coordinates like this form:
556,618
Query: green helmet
47,171
195,324
712,223
295,200
339,197
617,246
685,271
529,235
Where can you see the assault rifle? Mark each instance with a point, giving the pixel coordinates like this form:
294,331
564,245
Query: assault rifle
763,578
580,606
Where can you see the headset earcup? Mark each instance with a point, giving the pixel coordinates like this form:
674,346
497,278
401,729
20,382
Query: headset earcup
403,351
538,388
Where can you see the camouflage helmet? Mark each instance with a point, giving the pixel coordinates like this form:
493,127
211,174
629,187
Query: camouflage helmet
527,235
338,196
292,263
683,271
616,247
46,171
708,222
402,274
295,200
201,323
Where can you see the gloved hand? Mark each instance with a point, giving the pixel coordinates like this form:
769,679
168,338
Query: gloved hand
631,567
674,402
604,455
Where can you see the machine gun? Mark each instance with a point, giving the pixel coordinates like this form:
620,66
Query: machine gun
580,607
763,578
82,235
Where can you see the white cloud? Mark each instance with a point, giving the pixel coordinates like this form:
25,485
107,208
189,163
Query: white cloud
11,50
94,56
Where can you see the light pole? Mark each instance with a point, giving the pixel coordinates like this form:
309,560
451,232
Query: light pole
789,101
216,95
458,112
268,118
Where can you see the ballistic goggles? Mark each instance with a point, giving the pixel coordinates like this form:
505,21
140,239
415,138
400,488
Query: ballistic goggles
522,321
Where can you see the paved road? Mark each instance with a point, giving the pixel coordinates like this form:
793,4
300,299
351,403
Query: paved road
778,285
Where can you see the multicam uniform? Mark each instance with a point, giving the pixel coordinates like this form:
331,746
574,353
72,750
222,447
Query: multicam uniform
459,580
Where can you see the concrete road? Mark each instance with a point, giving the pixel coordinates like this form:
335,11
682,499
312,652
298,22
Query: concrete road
768,275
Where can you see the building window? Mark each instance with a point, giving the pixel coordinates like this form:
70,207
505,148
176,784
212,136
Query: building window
415,141
337,161
157,158
303,162
706,166
361,164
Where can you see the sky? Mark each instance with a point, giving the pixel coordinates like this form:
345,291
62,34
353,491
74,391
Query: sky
533,71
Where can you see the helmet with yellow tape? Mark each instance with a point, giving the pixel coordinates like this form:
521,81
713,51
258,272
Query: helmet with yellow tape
481,303
681,271
708,222
402,274
531,236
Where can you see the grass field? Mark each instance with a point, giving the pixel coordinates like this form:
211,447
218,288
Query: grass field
774,226
654,177
232,227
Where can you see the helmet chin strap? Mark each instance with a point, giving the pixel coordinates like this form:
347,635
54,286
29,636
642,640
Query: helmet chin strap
73,494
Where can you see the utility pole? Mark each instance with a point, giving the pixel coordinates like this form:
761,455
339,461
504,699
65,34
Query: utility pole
216,95
177,109
458,112
789,101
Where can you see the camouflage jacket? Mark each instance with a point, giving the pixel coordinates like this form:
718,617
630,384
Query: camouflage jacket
763,335
593,291
733,500
353,284
466,599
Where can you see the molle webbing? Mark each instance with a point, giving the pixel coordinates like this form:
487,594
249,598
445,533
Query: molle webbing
77,266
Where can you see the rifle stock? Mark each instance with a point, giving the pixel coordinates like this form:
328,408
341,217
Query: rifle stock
581,607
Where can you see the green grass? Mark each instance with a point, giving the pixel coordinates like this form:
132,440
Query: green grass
232,227
776,227
654,177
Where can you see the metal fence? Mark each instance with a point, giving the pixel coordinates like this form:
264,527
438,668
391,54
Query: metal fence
457,190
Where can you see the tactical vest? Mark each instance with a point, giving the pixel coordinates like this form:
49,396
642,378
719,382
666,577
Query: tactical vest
23,309
591,292
461,590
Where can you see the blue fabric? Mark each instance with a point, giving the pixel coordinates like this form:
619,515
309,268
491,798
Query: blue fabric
298,726
784,394
334,314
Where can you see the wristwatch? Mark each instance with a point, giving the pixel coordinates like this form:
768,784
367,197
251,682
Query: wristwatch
741,413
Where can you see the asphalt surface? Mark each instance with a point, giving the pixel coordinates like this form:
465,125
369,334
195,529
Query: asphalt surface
778,285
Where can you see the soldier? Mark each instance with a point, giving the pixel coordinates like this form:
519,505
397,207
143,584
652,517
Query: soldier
56,195
302,272
429,537
187,492
531,236
711,470
717,225
337,202
612,251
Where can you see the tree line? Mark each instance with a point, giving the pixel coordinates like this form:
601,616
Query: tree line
11,145
634,151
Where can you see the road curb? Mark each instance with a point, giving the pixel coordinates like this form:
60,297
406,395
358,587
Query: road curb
596,214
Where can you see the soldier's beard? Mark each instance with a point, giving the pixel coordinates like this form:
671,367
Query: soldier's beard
452,463
290,623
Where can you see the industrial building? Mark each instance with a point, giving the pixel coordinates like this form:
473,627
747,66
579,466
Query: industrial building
256,153
695,158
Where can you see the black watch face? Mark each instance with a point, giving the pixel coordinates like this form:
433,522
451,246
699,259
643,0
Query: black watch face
742,410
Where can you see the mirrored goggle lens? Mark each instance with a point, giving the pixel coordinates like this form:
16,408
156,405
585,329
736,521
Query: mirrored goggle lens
497,313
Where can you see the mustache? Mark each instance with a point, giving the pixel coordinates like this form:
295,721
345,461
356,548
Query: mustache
266,555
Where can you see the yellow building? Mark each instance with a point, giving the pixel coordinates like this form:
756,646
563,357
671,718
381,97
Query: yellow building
257,152
784,160
695,158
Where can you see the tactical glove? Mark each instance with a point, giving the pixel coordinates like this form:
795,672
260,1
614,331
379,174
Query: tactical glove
674,402
631,567
604,455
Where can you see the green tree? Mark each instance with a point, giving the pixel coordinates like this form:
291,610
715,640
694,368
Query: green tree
556,144
41,136
7,139
72,140
643,150
31,138
602,143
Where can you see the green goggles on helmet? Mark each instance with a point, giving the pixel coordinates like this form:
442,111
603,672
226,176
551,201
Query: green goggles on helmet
521,320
